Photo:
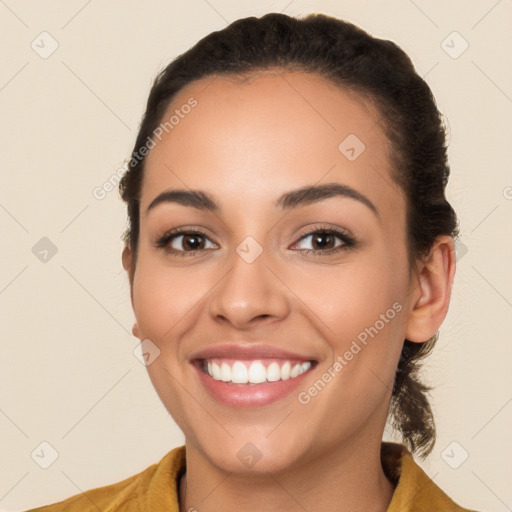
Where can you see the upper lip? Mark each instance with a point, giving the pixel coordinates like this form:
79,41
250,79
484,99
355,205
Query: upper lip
244,351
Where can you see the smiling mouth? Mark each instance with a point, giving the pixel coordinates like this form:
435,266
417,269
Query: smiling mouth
251,372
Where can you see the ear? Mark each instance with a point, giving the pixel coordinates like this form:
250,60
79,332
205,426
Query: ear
129,266
431,291
128,263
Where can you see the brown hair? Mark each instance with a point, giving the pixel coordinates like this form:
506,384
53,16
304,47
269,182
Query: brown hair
352,59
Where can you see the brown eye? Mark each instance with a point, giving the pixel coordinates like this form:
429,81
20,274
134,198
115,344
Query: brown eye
190,242
324,240
184,243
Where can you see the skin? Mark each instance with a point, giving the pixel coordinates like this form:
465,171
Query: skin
246,143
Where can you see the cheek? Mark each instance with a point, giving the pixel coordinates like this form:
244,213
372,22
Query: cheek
164,301
361,315
163,297
359,308
352,295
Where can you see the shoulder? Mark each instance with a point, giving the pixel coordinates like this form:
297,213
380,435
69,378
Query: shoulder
414,489
157,484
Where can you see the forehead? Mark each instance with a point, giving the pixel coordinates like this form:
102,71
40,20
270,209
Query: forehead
247,141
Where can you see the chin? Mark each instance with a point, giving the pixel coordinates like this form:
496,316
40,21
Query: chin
254,454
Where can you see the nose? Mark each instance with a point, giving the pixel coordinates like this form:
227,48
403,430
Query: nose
249,294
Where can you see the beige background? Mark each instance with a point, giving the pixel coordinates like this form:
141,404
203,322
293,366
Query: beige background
69,375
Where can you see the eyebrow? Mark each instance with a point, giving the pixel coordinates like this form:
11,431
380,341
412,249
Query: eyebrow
289,200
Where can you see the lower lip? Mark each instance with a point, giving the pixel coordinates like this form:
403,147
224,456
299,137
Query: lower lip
249,395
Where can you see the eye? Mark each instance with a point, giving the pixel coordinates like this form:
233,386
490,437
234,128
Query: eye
325,240
184,242
190,242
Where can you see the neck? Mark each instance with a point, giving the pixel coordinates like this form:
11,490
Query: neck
342,480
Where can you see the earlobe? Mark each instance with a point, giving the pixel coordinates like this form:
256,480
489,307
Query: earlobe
126,258
128,263
432,291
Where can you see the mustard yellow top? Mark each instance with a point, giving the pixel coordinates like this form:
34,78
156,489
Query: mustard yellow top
156,488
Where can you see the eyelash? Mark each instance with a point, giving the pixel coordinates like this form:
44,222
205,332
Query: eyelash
348,241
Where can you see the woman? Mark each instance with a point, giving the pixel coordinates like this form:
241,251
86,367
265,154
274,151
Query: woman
290,253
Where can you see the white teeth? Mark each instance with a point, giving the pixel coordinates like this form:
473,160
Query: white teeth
273,372
238,373
305,366
285,371
257,373
295,371
225,372
216,371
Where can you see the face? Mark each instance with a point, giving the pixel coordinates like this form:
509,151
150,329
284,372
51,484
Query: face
305,294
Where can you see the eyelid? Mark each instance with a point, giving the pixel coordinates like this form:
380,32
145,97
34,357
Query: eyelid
184,230
324,227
